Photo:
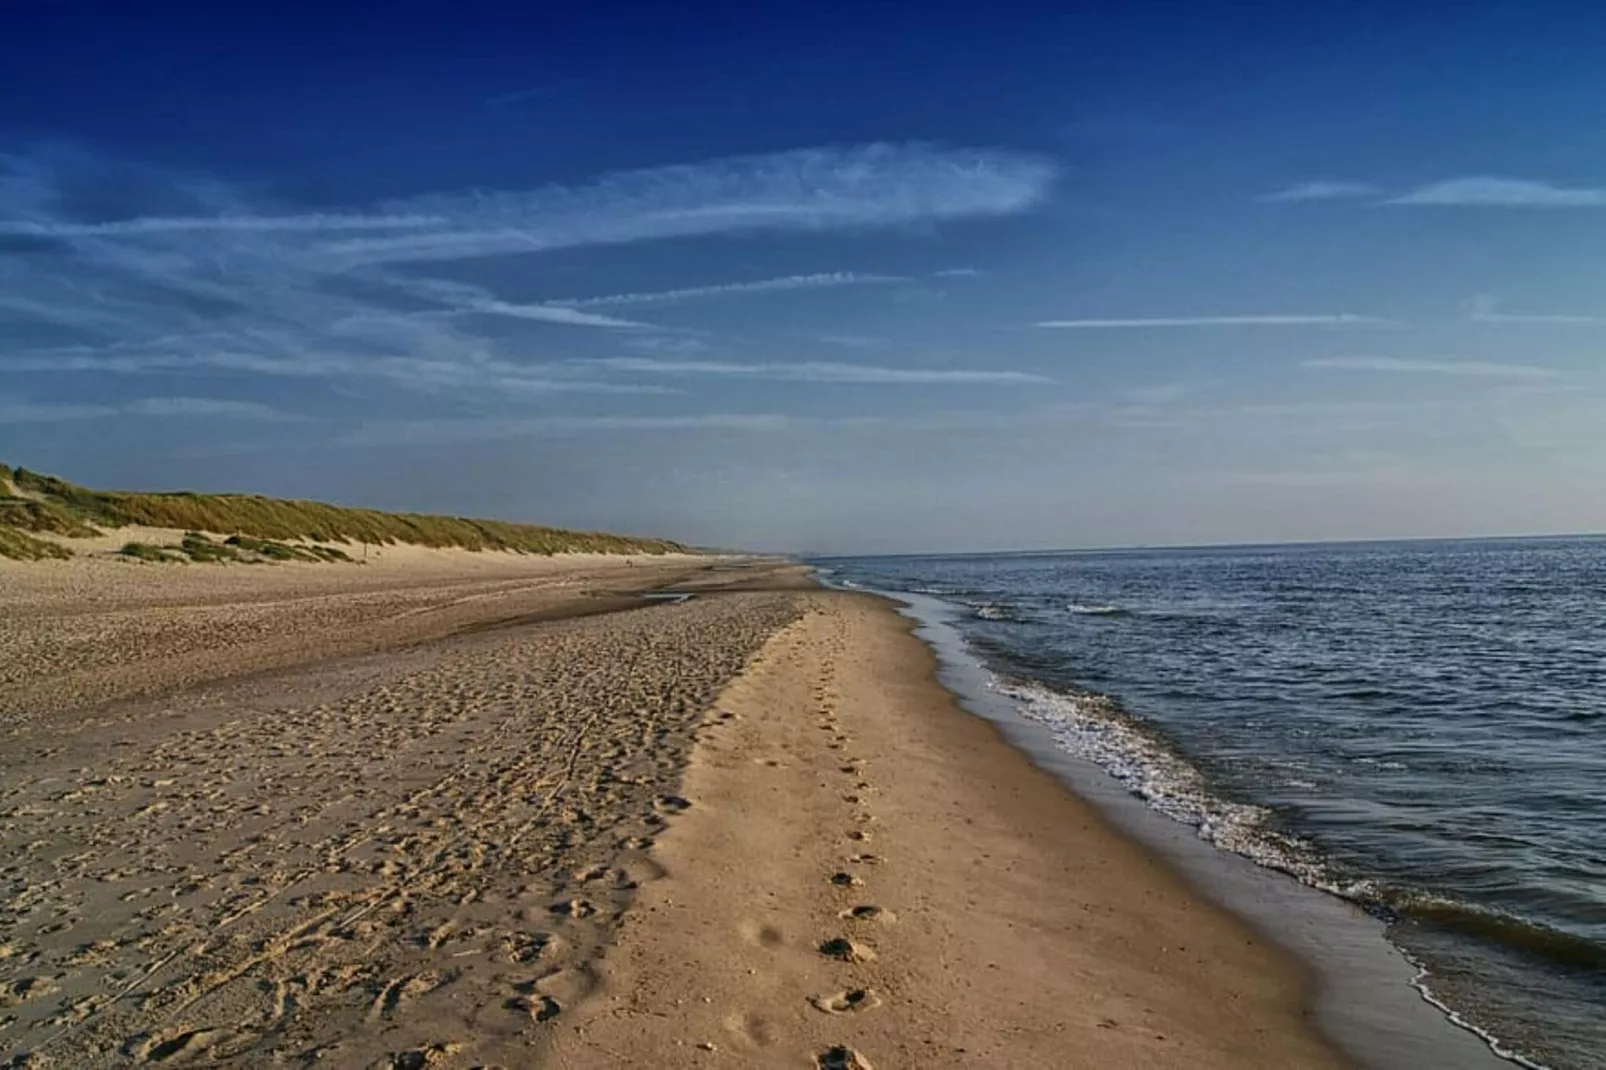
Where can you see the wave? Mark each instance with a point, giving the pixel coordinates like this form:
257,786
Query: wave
1096,610
1094,728
994,611
1529,938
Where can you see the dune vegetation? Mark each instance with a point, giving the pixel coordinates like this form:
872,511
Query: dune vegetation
252,528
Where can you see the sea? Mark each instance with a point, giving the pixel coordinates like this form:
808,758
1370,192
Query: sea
1416,727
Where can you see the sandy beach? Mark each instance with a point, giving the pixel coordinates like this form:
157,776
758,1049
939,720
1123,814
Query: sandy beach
500,812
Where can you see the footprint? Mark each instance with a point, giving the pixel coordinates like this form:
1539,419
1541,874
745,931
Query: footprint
540,1008
840,1058
849,1002
403,989
845,880
574,908
841,947
673,803
162,1047
868,912
865,859
420,1058
861,835
25,989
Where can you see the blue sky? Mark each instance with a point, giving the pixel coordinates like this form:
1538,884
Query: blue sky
839,279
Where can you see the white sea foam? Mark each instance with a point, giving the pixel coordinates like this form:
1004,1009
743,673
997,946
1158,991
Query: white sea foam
1092,727
990,611
1421,982
1094,610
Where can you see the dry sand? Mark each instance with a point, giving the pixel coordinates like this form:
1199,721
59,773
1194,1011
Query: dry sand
436,818
97,628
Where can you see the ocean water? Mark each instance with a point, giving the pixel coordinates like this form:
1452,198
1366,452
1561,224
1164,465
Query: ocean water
1418,727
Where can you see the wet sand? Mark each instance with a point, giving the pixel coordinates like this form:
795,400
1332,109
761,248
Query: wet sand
450,820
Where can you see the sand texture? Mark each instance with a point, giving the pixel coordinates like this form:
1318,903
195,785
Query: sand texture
390,860
90,630
503,818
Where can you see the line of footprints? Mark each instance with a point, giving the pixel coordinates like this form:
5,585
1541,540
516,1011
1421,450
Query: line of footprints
845,882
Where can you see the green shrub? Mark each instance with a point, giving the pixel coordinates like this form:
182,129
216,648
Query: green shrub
144,551
22,547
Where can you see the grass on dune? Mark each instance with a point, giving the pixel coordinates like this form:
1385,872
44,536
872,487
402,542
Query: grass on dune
39,503
20,546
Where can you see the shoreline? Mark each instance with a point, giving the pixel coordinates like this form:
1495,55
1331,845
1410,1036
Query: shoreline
1365,992
866,871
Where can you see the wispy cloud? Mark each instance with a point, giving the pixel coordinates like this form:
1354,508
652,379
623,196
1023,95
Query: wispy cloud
1485,310
572,317
219,407
957,273
1557,318
534,92
464,299
1338,319
1488,192
1476,368
471,374
825,280
12,412
476,429
132,228
198,277
22,411
820,372
1322,191
872,186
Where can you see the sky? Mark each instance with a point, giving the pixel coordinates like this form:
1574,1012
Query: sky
818,278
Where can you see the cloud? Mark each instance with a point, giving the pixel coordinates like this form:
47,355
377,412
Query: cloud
548,314
535,92
130,271
819,372
1560,319
465,299
1486,192
221,407
1339,319
1476,368
735,289
1484,309
52,412
957,273
1322,191
476,374
870,186
14,411
438,431
129,228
